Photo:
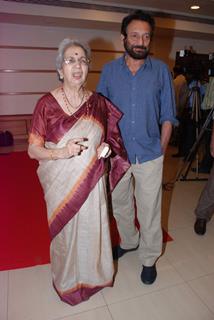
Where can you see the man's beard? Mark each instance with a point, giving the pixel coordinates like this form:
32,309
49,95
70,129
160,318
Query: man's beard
139,55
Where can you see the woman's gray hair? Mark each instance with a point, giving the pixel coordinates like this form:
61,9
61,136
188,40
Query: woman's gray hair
67,43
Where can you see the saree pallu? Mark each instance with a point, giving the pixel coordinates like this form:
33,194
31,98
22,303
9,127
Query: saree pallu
76,199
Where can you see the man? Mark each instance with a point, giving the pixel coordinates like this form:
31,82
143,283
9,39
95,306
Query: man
205,208
181,98
206,106
190,117
181,89
142,89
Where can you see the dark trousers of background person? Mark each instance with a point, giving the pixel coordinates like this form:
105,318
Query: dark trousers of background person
205,206
187,132
207,159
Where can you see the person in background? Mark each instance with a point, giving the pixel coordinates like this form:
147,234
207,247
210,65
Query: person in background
181,96
71,126
206,106
205,207
181,89
191,115
142,88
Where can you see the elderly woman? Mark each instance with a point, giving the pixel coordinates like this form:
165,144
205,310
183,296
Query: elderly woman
70,129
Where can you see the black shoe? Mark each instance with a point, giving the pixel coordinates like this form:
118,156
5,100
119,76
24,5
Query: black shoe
149,274
200,226
118,252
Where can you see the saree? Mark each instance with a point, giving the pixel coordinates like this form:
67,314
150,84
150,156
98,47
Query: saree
76,194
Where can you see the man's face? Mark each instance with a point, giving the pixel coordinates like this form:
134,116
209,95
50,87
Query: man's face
138,39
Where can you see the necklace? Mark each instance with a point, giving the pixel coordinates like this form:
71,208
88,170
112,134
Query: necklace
68,104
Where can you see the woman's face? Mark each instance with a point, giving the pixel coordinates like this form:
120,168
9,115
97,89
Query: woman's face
75,66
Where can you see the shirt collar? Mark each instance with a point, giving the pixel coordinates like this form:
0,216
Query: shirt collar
147,61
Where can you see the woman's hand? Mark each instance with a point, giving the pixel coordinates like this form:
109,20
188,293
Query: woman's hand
74,147
101,150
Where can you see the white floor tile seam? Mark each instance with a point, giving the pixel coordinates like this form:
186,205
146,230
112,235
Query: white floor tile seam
110,313
177,269
7,312
194,237
172,229
193,278
164,304
188,226
198,295
188,283
145,294
4,294
199,278
68,317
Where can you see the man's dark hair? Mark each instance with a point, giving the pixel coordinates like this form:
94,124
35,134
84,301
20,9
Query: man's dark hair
137,15
178,69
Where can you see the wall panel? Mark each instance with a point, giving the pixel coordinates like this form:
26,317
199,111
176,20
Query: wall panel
12,58
28,82
34,69
18,104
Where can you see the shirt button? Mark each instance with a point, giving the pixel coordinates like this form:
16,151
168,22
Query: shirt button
133,104
133,121
133,138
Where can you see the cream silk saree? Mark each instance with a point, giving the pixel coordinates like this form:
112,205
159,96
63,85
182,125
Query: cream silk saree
76,195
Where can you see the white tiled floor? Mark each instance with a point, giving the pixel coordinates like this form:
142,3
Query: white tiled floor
184,289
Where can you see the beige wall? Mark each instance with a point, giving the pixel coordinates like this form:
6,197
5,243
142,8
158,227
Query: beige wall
32,84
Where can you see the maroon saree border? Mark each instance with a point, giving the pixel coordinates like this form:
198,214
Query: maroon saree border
75,203
82,293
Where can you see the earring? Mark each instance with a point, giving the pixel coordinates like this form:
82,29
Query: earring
61,77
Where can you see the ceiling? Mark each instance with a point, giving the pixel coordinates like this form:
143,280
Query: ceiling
172,16
173,7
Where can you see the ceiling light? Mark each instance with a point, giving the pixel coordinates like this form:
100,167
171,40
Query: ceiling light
195,7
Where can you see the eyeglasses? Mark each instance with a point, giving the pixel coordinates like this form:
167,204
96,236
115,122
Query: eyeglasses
136,36
71,61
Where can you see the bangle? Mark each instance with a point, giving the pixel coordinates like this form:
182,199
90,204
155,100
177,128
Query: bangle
51,155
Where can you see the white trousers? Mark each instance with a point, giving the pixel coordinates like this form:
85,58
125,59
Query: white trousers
141,183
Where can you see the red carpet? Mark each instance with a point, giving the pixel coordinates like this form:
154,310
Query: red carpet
24,238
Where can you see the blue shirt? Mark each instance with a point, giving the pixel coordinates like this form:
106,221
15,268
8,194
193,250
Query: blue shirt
146,100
